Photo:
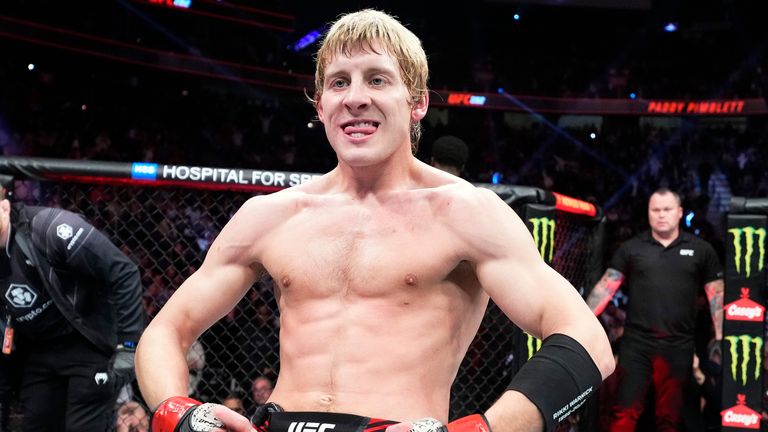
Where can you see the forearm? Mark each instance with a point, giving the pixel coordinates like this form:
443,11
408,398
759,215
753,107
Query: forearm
161,367
513,412
604,290
715,291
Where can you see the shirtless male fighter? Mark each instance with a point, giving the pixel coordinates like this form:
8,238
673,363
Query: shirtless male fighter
383,269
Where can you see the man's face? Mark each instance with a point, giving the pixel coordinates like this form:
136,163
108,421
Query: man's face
262,389
365,107
235,404
664,213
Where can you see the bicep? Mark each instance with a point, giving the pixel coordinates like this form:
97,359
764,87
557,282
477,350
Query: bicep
229,270
510,269
714,288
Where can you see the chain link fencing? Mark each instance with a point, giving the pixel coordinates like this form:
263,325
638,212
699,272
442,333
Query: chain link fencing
166,231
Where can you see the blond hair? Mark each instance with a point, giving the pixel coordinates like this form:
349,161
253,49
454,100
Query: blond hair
370,29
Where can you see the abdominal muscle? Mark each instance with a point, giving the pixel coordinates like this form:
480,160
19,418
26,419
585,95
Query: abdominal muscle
374,357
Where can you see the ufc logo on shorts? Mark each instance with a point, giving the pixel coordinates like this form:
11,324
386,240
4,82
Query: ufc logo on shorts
310,427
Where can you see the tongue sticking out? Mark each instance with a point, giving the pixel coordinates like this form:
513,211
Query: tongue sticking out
365,130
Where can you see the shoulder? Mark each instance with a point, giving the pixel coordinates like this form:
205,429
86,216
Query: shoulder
463,199
478,218
696,241
637,241
270,208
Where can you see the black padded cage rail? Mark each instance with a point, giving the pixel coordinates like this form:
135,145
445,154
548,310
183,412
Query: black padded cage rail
165,216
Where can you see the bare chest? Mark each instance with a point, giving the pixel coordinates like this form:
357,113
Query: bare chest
360,253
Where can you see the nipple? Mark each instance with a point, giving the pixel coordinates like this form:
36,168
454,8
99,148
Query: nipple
411,279
285,281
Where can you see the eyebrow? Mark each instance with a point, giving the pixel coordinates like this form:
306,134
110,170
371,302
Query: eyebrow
376,70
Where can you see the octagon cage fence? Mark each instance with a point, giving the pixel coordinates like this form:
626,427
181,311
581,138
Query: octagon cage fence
164,217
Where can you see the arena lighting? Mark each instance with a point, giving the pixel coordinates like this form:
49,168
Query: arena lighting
633,95
496,178
516,17
670,27
31,66
688,219
306,40
593,135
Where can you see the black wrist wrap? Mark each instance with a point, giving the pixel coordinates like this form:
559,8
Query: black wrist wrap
558,379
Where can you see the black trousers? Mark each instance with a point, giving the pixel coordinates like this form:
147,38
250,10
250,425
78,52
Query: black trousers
646,365
66,387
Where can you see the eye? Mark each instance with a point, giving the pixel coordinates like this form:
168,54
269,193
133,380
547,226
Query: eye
378,81
338,83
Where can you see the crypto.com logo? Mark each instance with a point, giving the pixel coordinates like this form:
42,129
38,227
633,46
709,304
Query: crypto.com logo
744,254
741,358
544,236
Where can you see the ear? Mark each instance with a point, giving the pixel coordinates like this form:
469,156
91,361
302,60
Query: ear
5,206
319,109
419,109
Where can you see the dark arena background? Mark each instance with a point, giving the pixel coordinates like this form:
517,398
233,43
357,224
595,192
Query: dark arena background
157,119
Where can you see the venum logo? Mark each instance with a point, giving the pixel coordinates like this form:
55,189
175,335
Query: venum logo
533,344
101,378
20,296
744,255
742,348
310,427
543,230
64,231
740,415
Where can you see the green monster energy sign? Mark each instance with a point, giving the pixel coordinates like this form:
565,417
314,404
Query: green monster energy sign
750,235
533,344
749,345
543,230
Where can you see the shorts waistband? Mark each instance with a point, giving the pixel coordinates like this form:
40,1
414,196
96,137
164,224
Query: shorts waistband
308,421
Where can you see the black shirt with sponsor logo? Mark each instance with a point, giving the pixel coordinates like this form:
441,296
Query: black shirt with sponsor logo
663,284
93,288
33,314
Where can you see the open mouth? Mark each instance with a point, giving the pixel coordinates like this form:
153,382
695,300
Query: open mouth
360,128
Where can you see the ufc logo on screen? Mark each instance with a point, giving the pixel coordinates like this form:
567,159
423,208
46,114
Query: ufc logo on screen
310,427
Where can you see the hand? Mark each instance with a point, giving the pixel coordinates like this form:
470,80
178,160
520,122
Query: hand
123,366
470,423
715,351
233,422
183,414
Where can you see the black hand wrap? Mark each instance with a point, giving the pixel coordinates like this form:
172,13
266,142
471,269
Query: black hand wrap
260,417
558,379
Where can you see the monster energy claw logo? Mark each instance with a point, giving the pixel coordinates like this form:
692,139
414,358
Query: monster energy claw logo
749,345
533,344
544,236
749,234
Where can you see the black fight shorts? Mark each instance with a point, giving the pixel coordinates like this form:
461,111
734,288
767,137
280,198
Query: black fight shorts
325,422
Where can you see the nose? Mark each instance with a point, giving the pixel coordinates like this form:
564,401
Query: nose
357,97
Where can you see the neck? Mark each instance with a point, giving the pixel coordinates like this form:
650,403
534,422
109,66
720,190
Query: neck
665,238
386,176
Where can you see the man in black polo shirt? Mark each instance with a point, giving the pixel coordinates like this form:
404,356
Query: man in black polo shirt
664,269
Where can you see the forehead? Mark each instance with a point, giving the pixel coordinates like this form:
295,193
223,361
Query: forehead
362,57
662,200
